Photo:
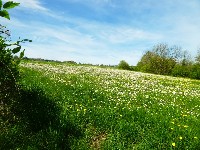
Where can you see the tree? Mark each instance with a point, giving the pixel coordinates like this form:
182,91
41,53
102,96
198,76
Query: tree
160,60
186,59
123,65
146,63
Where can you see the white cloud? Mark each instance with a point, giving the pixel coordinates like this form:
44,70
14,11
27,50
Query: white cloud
82,40
84,43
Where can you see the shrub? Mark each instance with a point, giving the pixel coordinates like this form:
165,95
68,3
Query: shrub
181,71
123,65
9,74
195,71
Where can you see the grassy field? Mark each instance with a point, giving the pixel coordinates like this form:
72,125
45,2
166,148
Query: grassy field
83,107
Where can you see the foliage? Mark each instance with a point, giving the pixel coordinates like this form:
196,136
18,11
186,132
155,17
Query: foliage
166,60
195,71
123,65
181,71
9,69
9,66
160,60
4,7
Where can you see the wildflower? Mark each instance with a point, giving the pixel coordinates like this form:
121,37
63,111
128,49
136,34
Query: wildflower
185,126
184,115
180,137
173,144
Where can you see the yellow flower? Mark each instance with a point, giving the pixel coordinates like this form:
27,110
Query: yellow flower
173,144
185,126
184,115
180,137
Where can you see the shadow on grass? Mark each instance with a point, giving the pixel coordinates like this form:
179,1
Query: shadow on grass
37,110
40,124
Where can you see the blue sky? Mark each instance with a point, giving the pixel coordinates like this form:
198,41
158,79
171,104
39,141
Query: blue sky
104,31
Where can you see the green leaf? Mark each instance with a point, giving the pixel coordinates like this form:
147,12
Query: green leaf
5,14
0,4
16,50
10,4
21,54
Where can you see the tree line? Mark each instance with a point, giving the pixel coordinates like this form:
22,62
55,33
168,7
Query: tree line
165,60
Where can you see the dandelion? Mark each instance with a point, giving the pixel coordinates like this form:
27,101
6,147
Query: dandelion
173,144
180,137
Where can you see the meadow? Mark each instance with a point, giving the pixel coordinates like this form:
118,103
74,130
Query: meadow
88,107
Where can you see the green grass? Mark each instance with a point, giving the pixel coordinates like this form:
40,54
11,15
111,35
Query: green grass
75,107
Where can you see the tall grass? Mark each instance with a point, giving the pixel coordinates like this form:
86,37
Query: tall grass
74,107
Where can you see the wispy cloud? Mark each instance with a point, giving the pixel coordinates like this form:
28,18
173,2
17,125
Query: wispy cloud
85,42
122,30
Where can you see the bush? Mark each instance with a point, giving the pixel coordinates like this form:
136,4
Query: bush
181,71
9,74
8,66
195,71
123,65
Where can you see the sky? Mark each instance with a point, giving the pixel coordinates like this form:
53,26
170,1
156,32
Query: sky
103,31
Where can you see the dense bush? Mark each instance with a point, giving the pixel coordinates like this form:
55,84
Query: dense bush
8,66
181,71
195,71
123,65
9,72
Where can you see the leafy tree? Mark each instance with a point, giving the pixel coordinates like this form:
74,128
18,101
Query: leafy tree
146,63
123,65
160,60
